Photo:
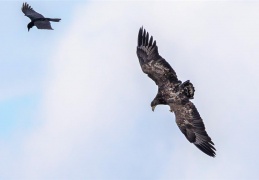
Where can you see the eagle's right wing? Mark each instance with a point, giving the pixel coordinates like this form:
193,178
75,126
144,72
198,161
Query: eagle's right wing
151,62
29,12
190,123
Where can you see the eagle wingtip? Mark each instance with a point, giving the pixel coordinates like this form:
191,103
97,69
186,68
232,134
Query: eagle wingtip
140,36
207,148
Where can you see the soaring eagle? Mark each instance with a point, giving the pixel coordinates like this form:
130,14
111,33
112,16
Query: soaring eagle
174,93
37,19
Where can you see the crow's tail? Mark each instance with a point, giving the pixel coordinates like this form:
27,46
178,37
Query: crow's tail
54,19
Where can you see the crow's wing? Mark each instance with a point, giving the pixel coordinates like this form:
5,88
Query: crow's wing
43,24
29,12
190,123
151,62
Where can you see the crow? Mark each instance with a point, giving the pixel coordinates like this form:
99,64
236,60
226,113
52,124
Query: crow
37,19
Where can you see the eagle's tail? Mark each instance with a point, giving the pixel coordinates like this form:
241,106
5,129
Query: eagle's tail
188,89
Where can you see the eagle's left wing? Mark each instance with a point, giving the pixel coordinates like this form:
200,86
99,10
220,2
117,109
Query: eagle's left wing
190,123
156,67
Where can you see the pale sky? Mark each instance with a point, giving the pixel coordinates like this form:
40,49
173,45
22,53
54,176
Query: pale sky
74,103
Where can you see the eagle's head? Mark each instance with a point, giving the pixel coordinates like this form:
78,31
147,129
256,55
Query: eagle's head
154,104
158,100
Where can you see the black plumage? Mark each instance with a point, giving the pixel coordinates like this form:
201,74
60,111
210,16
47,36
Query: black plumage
37,19
174,93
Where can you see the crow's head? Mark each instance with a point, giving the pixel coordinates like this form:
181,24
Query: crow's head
30,25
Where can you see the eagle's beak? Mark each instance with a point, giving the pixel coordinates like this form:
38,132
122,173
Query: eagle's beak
153,108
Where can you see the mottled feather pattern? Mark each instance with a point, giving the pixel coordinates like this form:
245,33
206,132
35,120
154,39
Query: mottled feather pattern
190,123
150,60
174,93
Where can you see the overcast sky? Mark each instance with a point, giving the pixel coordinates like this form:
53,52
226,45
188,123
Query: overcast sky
74,103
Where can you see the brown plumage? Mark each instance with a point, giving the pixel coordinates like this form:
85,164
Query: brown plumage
174,93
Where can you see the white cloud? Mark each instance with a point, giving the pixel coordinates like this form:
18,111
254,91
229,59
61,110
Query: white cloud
96,113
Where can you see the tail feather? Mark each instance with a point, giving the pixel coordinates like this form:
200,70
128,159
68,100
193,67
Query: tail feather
188,89
54,19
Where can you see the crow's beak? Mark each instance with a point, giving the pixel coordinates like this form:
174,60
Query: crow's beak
153,108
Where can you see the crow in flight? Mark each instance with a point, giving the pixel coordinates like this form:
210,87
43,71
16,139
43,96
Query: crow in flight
174,93
37,19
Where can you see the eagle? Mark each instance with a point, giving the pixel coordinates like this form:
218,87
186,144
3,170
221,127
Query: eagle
174,93
37,19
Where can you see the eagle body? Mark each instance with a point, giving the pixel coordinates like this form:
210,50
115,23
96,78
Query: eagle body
174,93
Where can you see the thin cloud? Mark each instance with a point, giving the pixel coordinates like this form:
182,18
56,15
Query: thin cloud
98,122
